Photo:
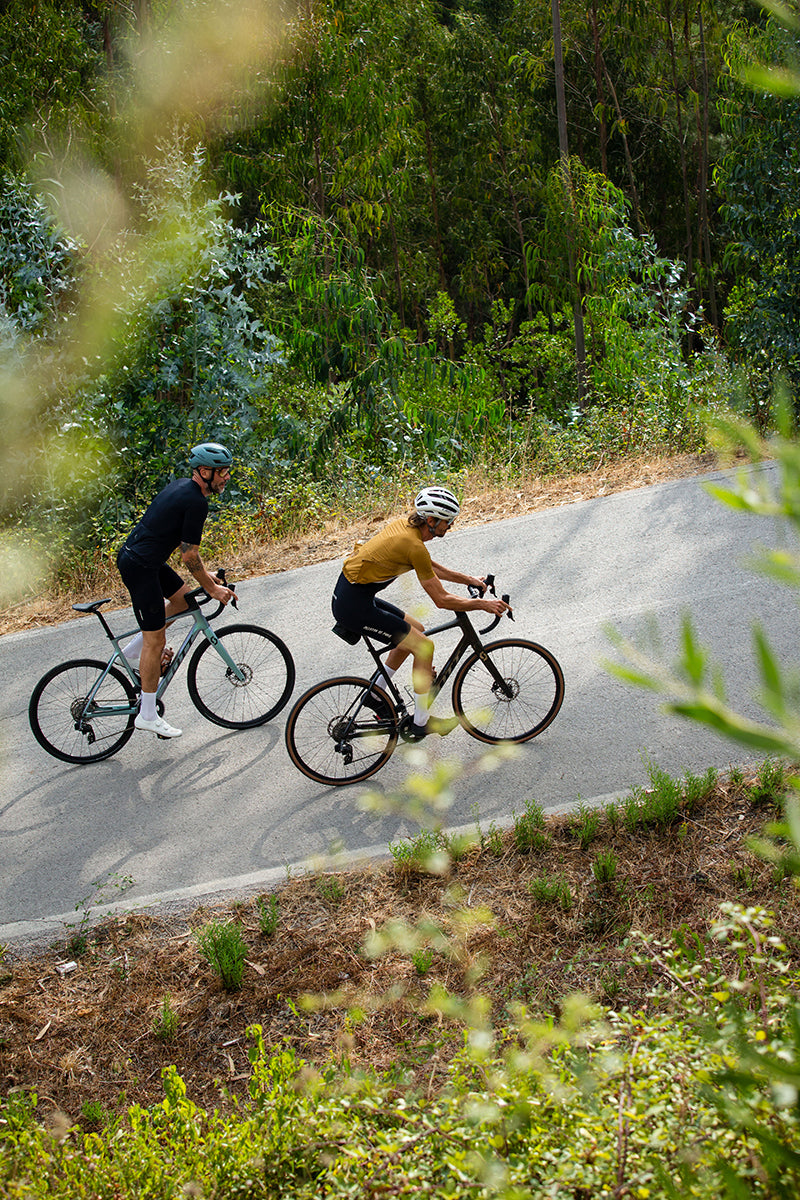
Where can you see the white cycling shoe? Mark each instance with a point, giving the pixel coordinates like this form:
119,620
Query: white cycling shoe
159,726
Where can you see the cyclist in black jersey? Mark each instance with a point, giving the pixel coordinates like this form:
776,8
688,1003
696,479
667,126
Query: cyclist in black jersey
174,519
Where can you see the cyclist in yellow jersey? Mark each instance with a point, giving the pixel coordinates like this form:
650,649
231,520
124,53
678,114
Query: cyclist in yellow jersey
397,549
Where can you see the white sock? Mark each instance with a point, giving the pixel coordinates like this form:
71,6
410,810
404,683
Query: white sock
134,647
420,708
147,708
386,674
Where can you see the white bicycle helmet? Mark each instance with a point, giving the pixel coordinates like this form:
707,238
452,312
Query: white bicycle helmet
437,502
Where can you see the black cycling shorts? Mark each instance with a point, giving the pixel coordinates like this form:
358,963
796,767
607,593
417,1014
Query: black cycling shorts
357,607
148,587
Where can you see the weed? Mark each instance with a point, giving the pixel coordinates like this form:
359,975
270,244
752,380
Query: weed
223,947
330,888
736,777
697,788
529,828
424,853
102,890
554,889
268,916
659,805
493,841
585,825
770,784
783,869
457,845
612,815
630,809
93,1114
604,867
744,875
611,982
165,1022
422,960
662,801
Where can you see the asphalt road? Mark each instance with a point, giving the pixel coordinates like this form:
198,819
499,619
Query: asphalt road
214,811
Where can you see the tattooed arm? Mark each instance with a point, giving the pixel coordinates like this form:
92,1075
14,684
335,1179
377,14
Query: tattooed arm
193,562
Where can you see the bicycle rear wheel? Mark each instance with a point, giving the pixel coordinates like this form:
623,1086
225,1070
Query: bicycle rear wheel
333,739
519,708
72,730
267,667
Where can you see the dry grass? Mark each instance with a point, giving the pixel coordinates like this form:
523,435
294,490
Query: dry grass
89,1035
483,502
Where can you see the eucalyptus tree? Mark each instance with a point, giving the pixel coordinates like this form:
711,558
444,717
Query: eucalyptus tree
758,176
52,61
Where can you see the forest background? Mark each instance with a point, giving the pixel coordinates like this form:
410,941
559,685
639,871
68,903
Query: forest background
366,245
362,244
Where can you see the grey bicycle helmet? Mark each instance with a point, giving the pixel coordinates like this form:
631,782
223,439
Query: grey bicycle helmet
210,454
437,502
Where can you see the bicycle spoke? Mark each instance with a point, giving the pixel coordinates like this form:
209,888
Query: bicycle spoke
517,700
267,677
73,730
333,739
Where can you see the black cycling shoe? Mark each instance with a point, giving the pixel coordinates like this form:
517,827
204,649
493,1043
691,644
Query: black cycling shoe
410,732
377,705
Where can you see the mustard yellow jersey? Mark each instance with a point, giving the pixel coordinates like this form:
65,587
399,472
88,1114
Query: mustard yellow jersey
396,549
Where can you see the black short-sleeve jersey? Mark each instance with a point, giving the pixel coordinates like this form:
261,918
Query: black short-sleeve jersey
177,515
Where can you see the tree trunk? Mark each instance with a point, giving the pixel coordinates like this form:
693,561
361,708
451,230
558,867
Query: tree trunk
512,195
432,178
601,94
563,144
687,207
702,182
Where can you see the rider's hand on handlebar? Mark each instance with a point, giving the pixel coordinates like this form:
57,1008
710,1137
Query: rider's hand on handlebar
495,605
221,593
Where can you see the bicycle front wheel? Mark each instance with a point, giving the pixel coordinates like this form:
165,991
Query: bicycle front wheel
515,700
70,727
265,663
332,738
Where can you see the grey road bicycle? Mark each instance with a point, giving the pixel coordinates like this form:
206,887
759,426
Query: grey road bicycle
343,730
239,676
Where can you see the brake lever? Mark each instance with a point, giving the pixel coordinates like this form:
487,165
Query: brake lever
505,598
232,586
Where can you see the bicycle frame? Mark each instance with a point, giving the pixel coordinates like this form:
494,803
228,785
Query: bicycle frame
200,625
469,640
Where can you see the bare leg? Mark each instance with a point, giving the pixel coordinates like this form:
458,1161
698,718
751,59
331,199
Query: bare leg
154,642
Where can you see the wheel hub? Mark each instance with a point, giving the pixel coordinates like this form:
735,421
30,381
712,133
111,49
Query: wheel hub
339,727
509,693
246,671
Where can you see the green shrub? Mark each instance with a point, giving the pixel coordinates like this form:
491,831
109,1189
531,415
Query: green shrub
268,915
604,867
529,828
222,945
547,889
165,1022
585,824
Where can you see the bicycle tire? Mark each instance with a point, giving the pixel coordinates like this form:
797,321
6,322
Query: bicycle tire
269,673
536,684
55,711
330,747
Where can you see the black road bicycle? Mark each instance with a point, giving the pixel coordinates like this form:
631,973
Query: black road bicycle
344,730
238,677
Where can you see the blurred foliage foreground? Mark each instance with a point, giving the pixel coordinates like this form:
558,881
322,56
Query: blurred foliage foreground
696,1097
